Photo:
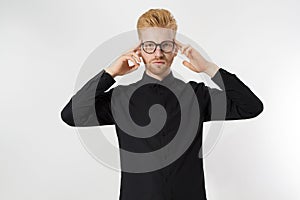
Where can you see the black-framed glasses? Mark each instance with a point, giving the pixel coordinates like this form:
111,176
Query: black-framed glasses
166,46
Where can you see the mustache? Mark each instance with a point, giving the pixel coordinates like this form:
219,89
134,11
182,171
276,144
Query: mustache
158,60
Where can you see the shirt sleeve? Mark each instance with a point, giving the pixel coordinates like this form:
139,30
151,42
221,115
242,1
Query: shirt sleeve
233,102
91,105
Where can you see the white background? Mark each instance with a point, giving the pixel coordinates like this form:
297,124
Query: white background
43,45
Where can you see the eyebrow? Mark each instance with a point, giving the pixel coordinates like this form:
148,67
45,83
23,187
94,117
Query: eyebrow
157,42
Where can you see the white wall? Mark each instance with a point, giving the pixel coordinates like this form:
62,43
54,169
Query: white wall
43,45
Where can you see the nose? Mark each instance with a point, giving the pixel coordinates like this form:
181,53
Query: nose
158,52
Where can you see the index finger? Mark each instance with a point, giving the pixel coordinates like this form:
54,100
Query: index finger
178,43
137,46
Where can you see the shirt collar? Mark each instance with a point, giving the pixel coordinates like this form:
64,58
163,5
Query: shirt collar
149,79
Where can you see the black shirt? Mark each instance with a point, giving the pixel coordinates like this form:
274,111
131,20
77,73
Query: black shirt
183,178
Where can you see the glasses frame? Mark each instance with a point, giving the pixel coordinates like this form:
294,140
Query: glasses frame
174,45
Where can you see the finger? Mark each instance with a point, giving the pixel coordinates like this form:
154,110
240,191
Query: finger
178,43
184,49
178,46
188,50
133,68
132,60
136,57
136,47
138,52
189,65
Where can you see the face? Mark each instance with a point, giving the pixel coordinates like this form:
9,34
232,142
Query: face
159,62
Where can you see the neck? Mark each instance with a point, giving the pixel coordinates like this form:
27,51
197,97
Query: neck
159,77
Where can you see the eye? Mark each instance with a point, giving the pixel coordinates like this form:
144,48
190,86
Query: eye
149,45
167,44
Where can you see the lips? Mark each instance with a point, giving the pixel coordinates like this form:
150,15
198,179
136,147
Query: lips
159,62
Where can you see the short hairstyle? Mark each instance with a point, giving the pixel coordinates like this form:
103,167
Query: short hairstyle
157,18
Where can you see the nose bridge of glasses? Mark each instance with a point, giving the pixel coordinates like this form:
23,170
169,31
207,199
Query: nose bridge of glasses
159,46
158,50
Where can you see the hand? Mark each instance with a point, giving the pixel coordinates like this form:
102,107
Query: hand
121,67
197,62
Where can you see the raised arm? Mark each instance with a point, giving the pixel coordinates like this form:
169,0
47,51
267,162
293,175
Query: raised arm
90,106
233,102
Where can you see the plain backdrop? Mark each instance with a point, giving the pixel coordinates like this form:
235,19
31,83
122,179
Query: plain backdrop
43,45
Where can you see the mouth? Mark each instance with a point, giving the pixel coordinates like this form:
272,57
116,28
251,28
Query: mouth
159,62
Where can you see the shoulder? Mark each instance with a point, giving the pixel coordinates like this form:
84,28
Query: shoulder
197,86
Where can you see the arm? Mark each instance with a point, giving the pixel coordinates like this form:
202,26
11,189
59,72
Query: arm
90,106
235,100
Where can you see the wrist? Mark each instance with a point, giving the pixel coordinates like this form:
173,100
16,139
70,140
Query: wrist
211,69
110,72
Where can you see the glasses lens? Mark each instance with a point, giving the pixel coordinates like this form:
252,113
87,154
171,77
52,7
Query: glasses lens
167,46
149,47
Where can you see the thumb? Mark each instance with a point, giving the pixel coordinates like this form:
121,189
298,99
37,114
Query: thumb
189,65
133,68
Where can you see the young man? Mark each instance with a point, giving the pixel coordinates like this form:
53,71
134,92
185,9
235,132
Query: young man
141,129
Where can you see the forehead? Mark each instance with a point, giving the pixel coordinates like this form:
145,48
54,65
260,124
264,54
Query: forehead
157,34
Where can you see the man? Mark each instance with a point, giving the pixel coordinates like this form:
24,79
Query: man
178,173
